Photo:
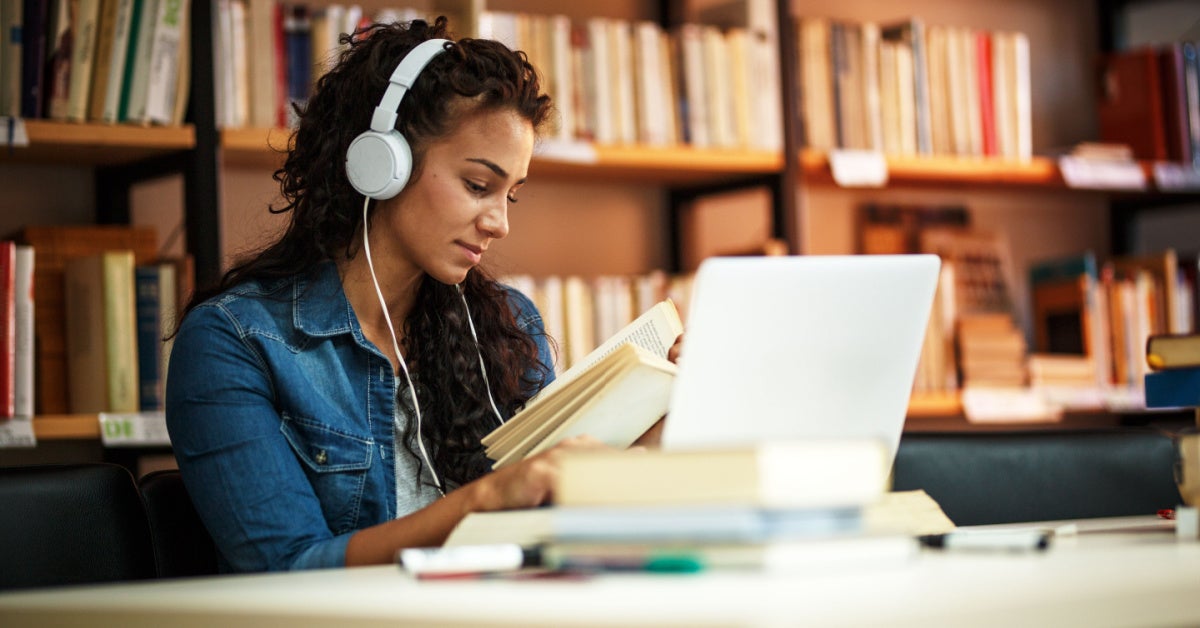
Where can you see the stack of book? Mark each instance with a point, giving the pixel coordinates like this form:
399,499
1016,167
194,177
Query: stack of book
1174,378
991,351
792,506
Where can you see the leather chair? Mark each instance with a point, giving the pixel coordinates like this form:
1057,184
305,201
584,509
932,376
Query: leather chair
182,545
71,524
1008,477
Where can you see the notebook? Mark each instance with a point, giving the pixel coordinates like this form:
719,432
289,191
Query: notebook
797,347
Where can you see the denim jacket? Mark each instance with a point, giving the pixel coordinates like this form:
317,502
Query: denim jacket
280,414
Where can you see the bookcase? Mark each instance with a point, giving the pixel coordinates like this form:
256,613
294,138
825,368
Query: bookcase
619,211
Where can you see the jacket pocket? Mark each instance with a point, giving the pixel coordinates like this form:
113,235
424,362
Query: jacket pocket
336,464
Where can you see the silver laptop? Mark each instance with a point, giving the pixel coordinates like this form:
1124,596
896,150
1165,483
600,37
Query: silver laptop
800,347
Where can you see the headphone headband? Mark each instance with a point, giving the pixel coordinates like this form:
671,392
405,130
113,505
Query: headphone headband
405,74
379,160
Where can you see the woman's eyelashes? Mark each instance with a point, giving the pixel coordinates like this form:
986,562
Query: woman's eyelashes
481,190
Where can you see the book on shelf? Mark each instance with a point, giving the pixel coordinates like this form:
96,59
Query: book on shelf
1132,109
23,345
615,394
53,247
1172,351
8,327
102,360
112,46
793,474
11,21
155,285
85,30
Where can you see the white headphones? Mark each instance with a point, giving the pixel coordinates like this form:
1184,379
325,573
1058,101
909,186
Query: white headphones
379,160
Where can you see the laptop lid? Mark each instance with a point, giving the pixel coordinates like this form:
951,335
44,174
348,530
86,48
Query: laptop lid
800,347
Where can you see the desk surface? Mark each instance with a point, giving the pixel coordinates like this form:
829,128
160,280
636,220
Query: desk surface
1126,577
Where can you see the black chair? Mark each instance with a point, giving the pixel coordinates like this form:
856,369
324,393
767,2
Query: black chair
1008,477
71,524
182,545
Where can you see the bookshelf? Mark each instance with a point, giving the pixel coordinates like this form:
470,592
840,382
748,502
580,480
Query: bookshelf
225,170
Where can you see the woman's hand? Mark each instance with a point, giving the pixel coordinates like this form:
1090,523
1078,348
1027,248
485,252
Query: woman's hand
527,483
676,349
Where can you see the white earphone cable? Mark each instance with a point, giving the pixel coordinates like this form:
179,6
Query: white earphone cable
387,317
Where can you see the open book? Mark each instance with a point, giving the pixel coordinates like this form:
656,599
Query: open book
614,394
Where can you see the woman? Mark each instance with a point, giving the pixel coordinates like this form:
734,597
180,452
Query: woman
326,400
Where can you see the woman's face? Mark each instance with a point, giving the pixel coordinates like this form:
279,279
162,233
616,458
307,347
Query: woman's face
445,219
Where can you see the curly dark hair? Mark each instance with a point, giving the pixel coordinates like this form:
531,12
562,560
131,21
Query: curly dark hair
471,76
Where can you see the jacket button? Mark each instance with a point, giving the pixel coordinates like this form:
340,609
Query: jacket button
322,457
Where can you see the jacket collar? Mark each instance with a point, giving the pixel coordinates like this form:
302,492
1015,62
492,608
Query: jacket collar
320,306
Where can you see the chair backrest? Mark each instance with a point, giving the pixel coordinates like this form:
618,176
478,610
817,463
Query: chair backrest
71,524
182,545
1006,477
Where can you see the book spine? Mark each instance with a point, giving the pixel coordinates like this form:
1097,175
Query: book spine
106,26
1175,388
122,34
165,57
85,30
34,28
120,322
149,305
133,86
23,371
11,20
7,327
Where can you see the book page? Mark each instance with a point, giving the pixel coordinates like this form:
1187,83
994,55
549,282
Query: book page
655,331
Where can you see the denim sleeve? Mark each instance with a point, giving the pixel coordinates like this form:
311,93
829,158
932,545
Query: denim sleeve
239,469
529,320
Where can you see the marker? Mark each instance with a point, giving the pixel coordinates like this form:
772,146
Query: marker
653,562
468,559
989,540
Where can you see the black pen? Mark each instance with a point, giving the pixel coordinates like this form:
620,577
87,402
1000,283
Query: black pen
989,540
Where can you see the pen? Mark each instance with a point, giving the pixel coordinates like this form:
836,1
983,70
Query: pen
989,540
469,559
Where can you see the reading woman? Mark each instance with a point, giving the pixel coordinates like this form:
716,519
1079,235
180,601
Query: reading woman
327,398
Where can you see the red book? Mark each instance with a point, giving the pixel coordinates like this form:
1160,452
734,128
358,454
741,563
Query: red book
987,107
8,327
1131,105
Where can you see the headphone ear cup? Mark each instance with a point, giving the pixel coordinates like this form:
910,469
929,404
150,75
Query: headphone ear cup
379,164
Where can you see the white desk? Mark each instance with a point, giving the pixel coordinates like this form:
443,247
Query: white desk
1128,578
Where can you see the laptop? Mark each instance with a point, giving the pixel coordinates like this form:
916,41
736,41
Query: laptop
800,347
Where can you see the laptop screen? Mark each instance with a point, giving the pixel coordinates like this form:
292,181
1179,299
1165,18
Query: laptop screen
800,347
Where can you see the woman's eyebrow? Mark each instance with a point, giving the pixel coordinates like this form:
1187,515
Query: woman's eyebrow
500,172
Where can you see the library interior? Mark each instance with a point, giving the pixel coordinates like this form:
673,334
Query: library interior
1043,461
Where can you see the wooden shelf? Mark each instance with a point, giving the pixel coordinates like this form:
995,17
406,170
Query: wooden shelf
97,144
66,427
1039,172
264,148
947,171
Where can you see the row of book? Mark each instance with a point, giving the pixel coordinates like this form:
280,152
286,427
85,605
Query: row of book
907,89
104,61
1150,101
1107,311
613,81
1089,319
88,310
268,54
580,312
